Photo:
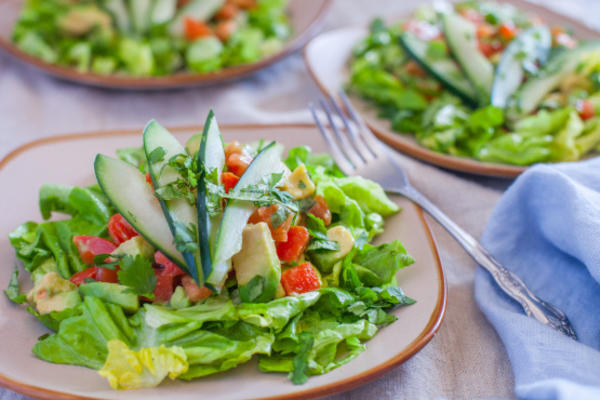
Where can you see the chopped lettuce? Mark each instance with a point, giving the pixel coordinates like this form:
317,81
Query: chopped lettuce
128,369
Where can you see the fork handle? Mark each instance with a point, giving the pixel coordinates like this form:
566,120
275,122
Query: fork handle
511,284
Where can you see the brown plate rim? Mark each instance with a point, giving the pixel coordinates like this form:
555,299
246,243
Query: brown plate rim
177,80
348,383
461,164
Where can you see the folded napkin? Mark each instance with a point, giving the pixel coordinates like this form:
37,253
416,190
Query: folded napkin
546,229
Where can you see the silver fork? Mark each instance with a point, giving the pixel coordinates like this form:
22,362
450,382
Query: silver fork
358,152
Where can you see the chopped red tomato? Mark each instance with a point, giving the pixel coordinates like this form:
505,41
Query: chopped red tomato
166,274
194,29
97,273
233,148
300,279
488,49
193,291
149,179
91,246
225,29
485,30
245,4
320,210
412,68
264,214
80,277
294,246
585,109
238,162
507,31
228,11
120,230
229,180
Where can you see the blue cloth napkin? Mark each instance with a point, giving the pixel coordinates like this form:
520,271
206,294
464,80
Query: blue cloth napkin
546,229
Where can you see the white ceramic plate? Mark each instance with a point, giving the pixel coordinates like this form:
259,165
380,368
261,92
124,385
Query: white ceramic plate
327,59
68,160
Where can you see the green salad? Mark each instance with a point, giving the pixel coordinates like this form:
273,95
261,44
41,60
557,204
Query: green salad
151,37
185,261
483,80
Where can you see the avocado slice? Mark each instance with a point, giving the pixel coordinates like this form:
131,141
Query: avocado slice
136,246
112,293
257,267
325,260
53,293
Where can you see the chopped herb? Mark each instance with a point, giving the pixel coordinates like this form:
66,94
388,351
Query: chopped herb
318,231
302,185
137,273
12,292
279,216
156,155
186,238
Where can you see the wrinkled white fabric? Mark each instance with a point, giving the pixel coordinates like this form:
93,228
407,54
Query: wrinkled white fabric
465,360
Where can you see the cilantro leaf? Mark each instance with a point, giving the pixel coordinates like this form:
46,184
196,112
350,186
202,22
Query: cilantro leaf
156,155
12,292
137,273
279,216
107,260
299,375
318,231
264,193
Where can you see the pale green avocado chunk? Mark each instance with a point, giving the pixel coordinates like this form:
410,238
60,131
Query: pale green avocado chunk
136,246
257,267
53,293
112,293
325,260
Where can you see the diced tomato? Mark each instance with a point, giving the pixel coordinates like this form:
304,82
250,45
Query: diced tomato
166,274
320,210
485,30
488,49
471,15
225,29
294,246
120,230
149,179
238,162
300,279
107,274
507,31
192,290
228,11
585,109
263,214
194,29
412,68
91,246
245,4
229,180
233,148
97,273
80,277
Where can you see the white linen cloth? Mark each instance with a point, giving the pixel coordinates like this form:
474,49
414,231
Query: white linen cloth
465,360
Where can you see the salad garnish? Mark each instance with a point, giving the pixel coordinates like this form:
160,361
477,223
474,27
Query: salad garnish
186,261
483,80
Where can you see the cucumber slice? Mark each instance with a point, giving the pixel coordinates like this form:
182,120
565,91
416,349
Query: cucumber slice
162,11
237,212
444,70
127,189
202,10
180,215
140,14
211,157
531,46
462,40
118,10
558,67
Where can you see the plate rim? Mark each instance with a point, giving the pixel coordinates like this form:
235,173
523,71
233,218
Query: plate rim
177,80
432,327
396,140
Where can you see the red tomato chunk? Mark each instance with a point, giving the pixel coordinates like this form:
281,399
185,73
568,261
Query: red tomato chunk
120,230
237,163
300,279
166,275
229,180
292,249
91,246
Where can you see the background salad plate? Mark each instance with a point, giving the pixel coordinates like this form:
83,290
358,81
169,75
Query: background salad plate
68,160
327,58
305,17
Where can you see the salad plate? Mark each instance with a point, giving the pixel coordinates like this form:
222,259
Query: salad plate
303,19
329,56
21,371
